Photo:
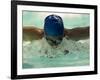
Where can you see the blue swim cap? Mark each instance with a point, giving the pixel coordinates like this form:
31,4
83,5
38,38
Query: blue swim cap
53,25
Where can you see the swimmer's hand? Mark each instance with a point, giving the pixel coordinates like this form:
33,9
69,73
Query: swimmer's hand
33,33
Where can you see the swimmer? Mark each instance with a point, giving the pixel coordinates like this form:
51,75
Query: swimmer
54,33
33,33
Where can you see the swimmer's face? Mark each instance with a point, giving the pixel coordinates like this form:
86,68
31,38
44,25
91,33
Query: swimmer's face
54,41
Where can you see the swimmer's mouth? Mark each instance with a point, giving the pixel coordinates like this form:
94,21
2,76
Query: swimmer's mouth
54,46
54,42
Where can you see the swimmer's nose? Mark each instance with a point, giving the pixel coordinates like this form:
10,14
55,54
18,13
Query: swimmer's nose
55,43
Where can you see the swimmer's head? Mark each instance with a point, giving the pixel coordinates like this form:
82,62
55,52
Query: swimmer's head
53,29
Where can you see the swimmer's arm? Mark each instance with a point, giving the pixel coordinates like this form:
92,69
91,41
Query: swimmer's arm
78,33
32,33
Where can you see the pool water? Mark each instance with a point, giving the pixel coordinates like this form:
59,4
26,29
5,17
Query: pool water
37,54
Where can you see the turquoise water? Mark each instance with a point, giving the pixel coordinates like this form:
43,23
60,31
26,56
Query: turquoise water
32,57
71,20
81,59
